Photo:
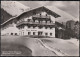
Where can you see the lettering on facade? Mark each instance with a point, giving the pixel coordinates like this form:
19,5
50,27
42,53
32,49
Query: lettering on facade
31,30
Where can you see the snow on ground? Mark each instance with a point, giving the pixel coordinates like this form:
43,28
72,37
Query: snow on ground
31,43
63,45
38,49
74,41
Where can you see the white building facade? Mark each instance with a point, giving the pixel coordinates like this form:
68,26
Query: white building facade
36,22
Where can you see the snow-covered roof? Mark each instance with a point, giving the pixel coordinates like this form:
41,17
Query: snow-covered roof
8,20
64,16
31,9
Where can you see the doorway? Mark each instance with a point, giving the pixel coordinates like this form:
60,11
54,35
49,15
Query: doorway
39,33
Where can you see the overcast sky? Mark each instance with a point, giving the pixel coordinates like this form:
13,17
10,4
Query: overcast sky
71,7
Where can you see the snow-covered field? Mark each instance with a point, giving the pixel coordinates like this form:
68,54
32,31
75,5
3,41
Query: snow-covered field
74,41
39,46
65,46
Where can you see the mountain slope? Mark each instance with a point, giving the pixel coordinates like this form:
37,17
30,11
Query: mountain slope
13,7
64,15
4,15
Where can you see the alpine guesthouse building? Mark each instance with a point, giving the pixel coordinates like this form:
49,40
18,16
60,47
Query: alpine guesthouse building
34,22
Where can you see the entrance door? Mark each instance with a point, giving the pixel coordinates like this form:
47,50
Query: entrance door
39,33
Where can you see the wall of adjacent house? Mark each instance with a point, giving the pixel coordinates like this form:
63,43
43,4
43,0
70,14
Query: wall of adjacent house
10,28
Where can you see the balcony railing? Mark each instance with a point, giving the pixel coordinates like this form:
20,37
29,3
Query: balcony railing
41,16
42,23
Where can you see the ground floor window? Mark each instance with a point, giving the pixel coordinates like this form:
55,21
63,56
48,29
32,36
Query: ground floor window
29,33
46,34
33,33
39,33
11,33
50,34
15,33
23,33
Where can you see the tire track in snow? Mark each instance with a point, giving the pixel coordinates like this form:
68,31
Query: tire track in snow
54,50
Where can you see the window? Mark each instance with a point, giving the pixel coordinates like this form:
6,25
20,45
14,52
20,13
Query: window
23,27
46,21
46,14
36,20
50,27
28,20
33,26
46,33
29,33
40,27
46,27
28,26
40,14
23,33
15,33
33,33
11,33
50,34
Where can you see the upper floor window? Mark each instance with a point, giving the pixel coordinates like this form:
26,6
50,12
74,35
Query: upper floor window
46,14
44,21
50,27
46,27
48,21
40,27
36,20
25,19
33,26
29,26
40,14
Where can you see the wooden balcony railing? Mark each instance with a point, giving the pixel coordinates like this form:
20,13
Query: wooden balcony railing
42,23
41,16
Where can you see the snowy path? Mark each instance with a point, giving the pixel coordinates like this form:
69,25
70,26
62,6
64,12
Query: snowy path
56,51
63,47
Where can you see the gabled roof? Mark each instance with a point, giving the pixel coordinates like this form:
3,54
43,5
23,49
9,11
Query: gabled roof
43,8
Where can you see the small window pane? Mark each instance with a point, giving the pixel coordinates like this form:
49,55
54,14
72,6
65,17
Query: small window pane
33,33
29,33
46,33
51,34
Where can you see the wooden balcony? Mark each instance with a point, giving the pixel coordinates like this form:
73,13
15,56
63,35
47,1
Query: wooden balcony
41,16
35,23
